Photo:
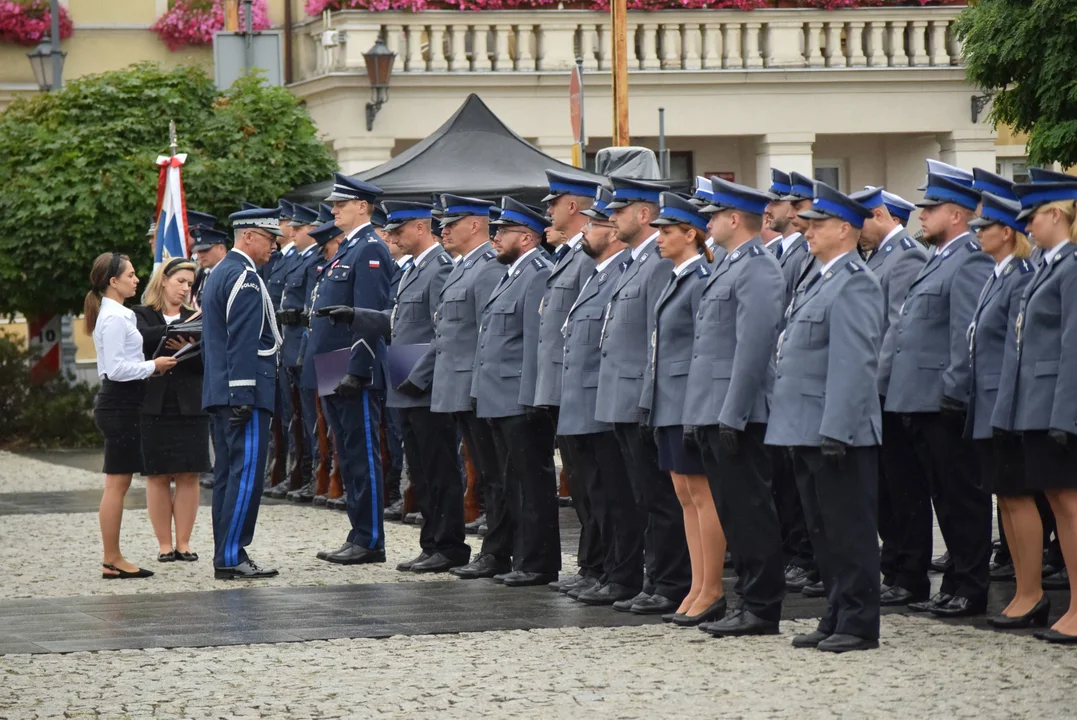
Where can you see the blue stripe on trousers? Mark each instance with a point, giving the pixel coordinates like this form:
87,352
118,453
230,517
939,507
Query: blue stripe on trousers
232,538
372,472
245,495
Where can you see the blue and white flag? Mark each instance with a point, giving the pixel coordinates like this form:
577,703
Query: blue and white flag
170,240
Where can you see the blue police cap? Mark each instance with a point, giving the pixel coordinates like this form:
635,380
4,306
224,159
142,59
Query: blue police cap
701,192
898,206
495,215
781,185
599,209
194,219
325,213
378,218
346,188
829,203
286,211
249,206
629,190
267,219
983,181
398,213
206,237
303,215
1040,175
869,197
568,184
942,189
676,210
937,167
458,207
801,187
1036,195
325,232
998,210
726,195
516,213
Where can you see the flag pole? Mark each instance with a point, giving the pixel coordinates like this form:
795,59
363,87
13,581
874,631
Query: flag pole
173,143
619,22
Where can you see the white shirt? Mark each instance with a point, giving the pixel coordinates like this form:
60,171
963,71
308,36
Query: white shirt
244,255
1002,265
1049,256
686,265
472,251
353,233
169,319
598,269
403,260
638,250
891,234
832,263
119,344
770,244
423,254
287,249
787,242
520,261
948,243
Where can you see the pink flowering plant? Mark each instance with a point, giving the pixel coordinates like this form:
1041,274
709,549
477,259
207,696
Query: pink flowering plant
316,7
193,22
27,22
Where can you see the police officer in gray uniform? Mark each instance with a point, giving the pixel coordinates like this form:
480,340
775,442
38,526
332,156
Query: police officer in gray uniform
626,332
503,386
569,195
896,260
726,408
825,407
929,387
794,253
589,446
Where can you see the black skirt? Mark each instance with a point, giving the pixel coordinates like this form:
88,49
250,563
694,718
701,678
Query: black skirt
1002,466
116,415
673,456
1048,465
173,443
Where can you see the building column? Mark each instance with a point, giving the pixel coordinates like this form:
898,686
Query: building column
558,147
789,152
974,147
358,153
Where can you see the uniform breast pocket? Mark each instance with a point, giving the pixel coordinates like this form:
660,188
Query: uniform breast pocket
727,307
412,306
589,322
564,293
814,331
453,301
341,273
932,302
629,306
505,320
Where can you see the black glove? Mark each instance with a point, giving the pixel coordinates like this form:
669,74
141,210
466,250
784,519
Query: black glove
351,386
337,314
954,408
474,405
240,415
833,450
645,420
729,439
691,438
1060,436
410,389
288,317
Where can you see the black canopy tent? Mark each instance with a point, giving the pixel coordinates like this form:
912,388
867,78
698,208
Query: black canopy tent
473,153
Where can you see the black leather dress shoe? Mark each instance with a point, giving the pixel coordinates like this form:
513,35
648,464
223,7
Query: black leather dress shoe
740,623
337,504
500,577
797,578
1057,581
608,594
278,491
654,605
942,563
472,528
1036,616
588,583
565,582
838,643
1001,572
483,566
1054,636
407,564
438,563
324,554
810,640
896,596
356,555
715,611
814,590
936,600
393,512
527,579
961,607
246,570
319,500
303,495
483,529
413,518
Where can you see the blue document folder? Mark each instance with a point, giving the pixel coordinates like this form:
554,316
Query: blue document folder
402,359
330,368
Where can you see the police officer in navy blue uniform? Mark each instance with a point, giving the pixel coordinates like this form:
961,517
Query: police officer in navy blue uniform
239,348
825,406
211,244
357,276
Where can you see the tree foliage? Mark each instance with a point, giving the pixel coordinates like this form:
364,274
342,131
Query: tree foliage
1025,52
79,176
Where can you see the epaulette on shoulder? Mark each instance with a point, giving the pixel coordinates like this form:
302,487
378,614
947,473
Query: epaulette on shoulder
907,243
972,246
490,254
1025,267
445,259
756,251
539,263
852,267
702,271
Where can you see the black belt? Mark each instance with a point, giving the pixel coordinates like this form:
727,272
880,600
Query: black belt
292,317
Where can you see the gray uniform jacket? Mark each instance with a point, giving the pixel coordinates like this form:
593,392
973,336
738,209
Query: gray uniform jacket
792,263
666,382
582,356
562,289
456,327
507,358
896,263
931,351
735,333
413,321
827,361
1046,377
994,321
626,333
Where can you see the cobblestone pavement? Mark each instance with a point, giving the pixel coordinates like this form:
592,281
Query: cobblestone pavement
925,669
19,474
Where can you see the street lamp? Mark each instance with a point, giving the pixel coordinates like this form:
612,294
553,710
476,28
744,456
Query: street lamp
379,68
45,66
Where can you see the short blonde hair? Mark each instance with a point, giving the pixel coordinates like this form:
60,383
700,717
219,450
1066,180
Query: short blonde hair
155,291
1021,246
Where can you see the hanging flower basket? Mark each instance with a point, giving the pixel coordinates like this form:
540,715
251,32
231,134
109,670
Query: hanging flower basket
193,22
27,22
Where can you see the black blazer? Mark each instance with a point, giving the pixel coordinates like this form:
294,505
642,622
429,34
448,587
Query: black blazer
185,378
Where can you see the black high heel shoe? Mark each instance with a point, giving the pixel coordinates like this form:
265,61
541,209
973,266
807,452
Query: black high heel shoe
1036,616
123,574
716,611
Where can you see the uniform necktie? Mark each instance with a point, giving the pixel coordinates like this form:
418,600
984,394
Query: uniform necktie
560,253
629,261
504,279
779,251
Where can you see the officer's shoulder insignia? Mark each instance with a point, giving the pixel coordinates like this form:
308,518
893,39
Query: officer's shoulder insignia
352,242
972,246
602,278
445,259
643,257
702,271
756,251
468,264
907,243
539,263
852,267
735,256
624,265
490,254
1026,267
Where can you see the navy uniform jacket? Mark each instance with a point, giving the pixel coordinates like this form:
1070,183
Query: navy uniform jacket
413,320
357,276
239,337
896,263
736,330
562,289
275,278
266,270
993,321
626,335
506,360
298,286
456,327
931,351
582,355
1046,377
670,348
825,383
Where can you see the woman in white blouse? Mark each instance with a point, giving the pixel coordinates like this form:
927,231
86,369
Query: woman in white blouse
123,371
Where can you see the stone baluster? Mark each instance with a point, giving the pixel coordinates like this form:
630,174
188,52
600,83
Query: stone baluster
834,54
752,56
502,60
918,43
854,44
634,59
671,47
525,48
588,51
650,61
458,61
732,57
438,62
876,53
895,44
937,51
811,44
692,47
413,59
604,51
711,48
